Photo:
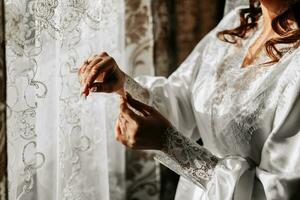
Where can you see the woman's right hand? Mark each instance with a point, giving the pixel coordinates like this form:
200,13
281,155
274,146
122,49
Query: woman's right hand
101,73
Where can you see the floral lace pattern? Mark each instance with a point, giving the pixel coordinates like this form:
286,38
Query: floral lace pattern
235,88
139,37
187,158
50,140
231,86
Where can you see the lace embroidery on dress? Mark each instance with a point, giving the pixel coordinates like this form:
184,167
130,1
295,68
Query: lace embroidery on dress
187,158
241,96
232,88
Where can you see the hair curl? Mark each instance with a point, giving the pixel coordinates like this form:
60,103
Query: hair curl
249,19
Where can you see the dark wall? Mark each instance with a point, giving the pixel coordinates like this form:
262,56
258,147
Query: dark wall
178,26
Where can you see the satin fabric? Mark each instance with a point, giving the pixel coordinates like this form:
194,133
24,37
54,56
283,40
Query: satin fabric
249,117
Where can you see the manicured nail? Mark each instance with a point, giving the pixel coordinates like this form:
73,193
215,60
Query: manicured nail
85,88
82,93
93,89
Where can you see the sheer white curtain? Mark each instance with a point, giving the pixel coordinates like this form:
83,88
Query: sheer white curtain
61,146
57,142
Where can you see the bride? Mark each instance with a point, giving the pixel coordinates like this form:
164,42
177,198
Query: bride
238,91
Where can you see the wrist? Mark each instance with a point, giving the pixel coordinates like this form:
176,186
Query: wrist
122,91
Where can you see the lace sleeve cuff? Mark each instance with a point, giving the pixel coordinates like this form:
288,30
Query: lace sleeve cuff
136,90
187,158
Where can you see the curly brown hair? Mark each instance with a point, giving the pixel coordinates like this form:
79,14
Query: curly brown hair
249,19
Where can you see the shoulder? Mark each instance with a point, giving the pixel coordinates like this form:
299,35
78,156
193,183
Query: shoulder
291,74
293,59
231,20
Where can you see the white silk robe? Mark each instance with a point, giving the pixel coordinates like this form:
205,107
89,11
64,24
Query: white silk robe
248,118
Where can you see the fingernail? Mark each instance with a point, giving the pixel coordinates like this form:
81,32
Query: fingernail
85,87
93,89
82,92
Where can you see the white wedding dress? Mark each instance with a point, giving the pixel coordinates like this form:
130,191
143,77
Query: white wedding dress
248,119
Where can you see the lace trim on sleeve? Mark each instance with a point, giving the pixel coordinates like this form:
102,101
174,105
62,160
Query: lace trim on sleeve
187,158
136,90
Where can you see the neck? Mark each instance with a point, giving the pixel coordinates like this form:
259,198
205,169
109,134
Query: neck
270,10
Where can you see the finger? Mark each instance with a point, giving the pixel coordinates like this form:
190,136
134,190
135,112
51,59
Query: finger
123,124
142,111
121,135
122,100
86,87
121,138
93,62
143,108
80,77
85,91
91,58
86,61
118,131
81,72
80,68
101,87
99,68
103,54
89,67
127,113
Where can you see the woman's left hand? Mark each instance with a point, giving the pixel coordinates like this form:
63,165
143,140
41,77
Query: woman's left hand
144,131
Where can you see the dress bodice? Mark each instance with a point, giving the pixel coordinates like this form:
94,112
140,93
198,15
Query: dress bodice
247,118
236,105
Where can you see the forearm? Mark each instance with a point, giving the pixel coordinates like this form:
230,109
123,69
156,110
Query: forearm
187,158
